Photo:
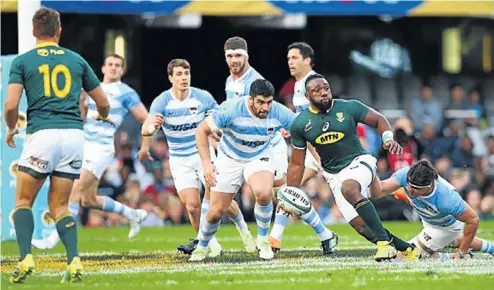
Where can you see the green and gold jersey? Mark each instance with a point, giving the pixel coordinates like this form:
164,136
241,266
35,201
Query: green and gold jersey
333,134
53,78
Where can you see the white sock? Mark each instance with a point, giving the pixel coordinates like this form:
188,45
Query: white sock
110,205
313,219
239,221
280,221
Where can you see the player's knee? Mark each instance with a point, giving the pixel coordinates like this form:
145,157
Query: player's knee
214,214
88,201
193,207
351,191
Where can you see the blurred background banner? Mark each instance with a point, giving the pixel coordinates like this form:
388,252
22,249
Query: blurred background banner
43,223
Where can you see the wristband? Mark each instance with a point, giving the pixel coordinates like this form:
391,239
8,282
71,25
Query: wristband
11,130
387,136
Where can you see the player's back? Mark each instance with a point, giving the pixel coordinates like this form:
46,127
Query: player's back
122,98
53,78
182,117
241,86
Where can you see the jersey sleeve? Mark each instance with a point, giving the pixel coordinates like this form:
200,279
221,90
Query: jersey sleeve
131,100
158,106
211,103
452,204
89,79
358,110
297,135
220,118
285,116
401,176
15,76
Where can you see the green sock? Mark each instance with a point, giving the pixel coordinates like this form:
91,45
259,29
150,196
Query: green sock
400,244
24,228
368,213
67,230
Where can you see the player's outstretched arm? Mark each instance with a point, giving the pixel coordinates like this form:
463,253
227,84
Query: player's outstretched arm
378,121
140,113
471,220
385,187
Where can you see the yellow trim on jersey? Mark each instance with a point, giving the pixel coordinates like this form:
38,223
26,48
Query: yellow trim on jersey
316,111
45,44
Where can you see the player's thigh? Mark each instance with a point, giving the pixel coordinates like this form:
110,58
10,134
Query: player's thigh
97,158
185,173
437,238
346,208
280,162
229,176
27,188
191,198
361,170
84,188
259,174
219,204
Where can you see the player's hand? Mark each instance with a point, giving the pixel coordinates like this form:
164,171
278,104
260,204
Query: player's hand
155,121
209,173
284,133
10,138
144,155
209,112
462,255
216,136
107,120
279,209
393,147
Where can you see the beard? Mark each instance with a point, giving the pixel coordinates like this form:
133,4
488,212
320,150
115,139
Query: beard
322,107
237,69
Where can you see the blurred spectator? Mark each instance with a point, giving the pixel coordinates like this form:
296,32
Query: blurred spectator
155,214
460,179
410,151
286,93
361,132
490,151
475,103
474,198
426,109
159,185
457,101
382,169
443,166
462,155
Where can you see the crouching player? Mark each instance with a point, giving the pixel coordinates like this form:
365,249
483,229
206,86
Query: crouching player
447,219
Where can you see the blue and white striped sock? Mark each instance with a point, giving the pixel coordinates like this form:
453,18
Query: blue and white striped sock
239,221
313,219
280,221
487,247
74,209
204,211
110,205
207,231
263,218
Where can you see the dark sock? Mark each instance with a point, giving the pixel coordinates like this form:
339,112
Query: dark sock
368,213
369,235
67,230
24,228
400,244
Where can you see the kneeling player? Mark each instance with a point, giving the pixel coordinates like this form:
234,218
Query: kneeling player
447,219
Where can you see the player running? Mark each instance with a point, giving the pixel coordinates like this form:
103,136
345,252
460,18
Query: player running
447,219
99,149
52,77
300,62
245,154
330,126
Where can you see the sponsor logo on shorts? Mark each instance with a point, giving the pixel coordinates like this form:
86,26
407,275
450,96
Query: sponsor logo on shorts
329,138
427,237
265,159
76,164
38,163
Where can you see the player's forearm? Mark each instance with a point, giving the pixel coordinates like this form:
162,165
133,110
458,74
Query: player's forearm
295,173
383,125
146,143
469,232
11,115
202,140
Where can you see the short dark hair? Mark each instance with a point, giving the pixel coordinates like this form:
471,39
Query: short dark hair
305,50
235,42
313,77
177,62
422,173
261,87
114,55
46,22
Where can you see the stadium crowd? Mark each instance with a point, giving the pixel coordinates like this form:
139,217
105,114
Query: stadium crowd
462,150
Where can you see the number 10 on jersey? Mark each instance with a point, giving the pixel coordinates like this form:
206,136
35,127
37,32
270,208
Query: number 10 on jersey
50,80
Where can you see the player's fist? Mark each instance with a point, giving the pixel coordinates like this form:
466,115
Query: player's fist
97,117
393,147
284,133
10,138
209,173
144,155
152,124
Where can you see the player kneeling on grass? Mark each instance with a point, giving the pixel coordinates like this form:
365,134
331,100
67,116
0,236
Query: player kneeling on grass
447,219
244,154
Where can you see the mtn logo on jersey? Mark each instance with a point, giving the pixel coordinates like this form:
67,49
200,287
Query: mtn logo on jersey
184,127
329,138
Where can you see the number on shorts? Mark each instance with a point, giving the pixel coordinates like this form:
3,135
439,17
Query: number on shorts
50,80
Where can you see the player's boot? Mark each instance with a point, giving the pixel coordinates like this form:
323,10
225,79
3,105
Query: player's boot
215,249
24,269
248,240
265,251
412,255
73,274
275,244
329,245
198,255
189,248
385,251
135,225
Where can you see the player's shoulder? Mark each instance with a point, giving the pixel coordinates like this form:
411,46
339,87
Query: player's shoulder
302,118
255,75
200,93
126,88
346,103
163,98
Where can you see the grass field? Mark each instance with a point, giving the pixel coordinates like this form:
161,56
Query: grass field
151,262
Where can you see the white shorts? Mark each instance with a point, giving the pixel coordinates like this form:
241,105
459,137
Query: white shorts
362,169
310,161
56,152
437,238
97,157
232,173
280,159
187,172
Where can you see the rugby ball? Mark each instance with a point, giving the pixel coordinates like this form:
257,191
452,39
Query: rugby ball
294,200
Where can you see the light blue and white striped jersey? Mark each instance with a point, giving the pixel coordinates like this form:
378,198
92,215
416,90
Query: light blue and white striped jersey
241,87
122,98
245,136
440,207
182,118
299,100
